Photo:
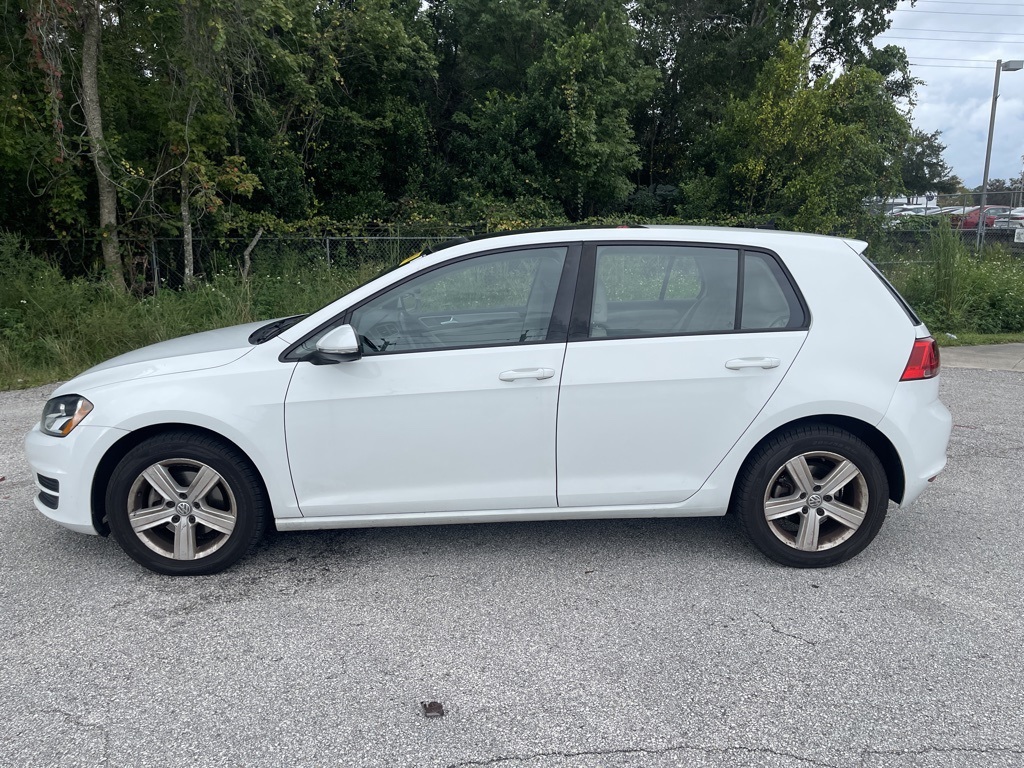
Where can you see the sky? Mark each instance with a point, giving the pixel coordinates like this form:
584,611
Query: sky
953,47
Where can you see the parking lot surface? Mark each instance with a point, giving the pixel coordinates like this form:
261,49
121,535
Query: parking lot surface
602,643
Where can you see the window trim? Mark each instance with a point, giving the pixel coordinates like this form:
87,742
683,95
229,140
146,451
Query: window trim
560,313
579,326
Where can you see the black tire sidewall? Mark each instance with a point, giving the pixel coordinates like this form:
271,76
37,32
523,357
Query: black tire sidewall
232,466
767,461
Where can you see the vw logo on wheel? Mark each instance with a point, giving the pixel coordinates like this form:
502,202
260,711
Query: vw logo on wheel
183,508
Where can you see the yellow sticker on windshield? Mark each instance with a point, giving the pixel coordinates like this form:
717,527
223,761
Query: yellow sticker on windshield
414,256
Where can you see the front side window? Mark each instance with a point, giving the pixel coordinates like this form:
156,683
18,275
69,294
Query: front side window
499,298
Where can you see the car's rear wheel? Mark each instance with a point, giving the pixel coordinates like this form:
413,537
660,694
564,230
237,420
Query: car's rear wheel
182,503
812,496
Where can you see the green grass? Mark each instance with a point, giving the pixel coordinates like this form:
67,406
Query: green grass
978,339
52,328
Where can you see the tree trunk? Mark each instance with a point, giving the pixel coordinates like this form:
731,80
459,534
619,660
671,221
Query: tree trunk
186,229
94,126
247,254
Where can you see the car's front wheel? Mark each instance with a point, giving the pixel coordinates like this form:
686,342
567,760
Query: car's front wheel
182,503
812,496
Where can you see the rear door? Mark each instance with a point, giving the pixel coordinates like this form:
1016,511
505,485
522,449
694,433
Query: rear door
673,351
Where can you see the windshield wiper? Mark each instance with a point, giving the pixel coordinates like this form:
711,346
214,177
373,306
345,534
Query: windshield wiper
271,329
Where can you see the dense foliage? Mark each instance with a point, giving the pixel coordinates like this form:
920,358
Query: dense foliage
135,120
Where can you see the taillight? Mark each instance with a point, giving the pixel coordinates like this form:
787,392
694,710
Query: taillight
923,362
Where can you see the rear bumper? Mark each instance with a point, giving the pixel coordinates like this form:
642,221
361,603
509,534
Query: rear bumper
919,426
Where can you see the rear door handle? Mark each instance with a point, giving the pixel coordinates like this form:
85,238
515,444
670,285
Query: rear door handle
752,362
527,373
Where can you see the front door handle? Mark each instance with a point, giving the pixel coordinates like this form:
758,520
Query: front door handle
753,362
527,373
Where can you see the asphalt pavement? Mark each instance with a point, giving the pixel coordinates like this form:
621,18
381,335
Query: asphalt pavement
565,644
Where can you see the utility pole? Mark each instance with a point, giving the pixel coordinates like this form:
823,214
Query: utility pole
1010,66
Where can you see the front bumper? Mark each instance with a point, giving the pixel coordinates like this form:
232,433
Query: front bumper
64,468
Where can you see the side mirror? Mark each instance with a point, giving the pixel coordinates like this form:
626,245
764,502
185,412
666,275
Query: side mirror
338,345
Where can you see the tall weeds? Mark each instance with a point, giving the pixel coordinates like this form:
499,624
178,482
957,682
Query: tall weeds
948,256
956,291
52,328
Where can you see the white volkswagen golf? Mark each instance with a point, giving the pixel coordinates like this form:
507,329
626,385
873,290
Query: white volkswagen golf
564,374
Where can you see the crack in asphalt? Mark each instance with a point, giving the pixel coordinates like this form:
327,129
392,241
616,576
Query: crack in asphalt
771,624
864,753
641,751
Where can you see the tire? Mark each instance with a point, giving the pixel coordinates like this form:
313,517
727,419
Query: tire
812,496
186,504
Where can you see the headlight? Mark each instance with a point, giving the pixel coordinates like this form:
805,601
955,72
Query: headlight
62,414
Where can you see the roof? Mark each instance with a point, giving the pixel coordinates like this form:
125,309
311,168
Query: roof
739,236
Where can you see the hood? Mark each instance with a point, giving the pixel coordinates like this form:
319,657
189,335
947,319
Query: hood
209,349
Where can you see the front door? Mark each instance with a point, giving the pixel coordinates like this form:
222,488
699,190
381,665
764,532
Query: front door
453,405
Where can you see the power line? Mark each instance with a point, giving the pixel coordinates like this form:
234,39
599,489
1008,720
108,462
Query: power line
946,66
955,40
947,58
962,13
969,2
955,31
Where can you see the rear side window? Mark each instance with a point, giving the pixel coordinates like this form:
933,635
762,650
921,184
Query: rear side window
660,290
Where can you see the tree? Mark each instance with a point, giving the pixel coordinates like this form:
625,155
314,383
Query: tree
710,51
923,168
372,144
583,90
809,153
63,34
538,99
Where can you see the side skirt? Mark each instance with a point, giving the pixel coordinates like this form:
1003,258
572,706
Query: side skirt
492,516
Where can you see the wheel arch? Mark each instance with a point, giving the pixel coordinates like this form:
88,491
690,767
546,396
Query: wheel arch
868,433
124,446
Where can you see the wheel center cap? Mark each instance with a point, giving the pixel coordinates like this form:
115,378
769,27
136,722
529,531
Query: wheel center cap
183,508
814,500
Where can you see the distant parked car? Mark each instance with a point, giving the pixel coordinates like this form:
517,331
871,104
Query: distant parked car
914,210
1012,220
969,220
549,375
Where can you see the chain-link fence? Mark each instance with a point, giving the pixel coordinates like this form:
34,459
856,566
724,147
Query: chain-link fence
160,262
892,248
1004,210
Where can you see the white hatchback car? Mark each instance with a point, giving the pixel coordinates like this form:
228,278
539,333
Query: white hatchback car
562,374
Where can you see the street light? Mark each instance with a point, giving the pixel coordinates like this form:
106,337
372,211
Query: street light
1001,66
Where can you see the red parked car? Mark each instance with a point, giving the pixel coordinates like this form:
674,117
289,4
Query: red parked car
968,219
